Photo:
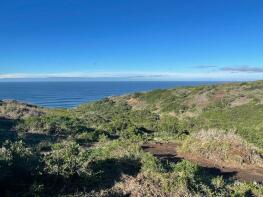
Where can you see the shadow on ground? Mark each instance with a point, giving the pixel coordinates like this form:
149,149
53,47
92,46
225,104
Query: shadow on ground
103,175
7,129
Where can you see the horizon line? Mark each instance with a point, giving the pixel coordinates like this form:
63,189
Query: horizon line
223,75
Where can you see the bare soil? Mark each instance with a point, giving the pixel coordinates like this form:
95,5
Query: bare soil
169,151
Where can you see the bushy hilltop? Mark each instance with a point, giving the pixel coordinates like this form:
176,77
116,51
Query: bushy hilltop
234,106
95,149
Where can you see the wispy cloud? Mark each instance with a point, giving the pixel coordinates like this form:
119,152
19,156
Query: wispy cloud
206,66
243,69
90,75
225,74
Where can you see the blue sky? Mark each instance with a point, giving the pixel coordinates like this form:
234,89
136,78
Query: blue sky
132,39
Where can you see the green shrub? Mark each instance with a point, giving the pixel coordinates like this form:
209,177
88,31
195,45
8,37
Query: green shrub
17,155
245,119
53,124
170,125
65,160
19,166
151,163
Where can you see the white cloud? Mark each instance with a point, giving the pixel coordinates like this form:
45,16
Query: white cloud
222,75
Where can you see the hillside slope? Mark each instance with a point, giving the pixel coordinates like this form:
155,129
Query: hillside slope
96,149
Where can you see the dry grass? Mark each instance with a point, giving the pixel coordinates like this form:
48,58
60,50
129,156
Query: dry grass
15,110
201,100
143,186
139,186
136,104
240,101
223,147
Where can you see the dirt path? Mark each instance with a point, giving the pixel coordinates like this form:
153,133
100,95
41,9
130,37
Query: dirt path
168,151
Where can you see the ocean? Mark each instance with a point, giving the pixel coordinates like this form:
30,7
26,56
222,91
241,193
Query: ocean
72,94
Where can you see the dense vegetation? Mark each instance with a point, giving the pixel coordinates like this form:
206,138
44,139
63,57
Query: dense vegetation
95,149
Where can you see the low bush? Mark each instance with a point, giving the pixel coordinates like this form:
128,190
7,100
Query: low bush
65,159
19,166
53,124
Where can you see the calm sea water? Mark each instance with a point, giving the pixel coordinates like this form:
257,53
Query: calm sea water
71,94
